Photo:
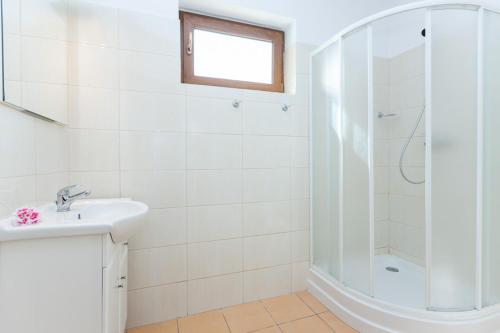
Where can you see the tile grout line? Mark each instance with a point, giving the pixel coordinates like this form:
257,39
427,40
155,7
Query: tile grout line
327,325
242,204
212,276
120,176
186,198
269,312
225,320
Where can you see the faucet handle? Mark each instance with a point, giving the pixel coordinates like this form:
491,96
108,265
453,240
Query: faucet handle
67,189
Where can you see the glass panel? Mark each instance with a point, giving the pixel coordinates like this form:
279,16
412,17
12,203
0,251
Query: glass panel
453,167
491,184
356,225
230,57
326,159
399,90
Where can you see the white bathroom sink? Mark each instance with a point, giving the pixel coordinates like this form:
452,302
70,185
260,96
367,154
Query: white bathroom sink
119,217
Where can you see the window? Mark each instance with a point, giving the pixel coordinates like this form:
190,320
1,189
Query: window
225,53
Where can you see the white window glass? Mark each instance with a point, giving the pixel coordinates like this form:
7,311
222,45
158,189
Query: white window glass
229,57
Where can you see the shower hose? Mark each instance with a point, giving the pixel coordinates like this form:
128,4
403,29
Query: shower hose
403,151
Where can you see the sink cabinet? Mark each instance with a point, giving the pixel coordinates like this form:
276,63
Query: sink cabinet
115,288
74,284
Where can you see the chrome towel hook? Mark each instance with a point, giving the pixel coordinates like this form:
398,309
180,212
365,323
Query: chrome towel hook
285,107
236,103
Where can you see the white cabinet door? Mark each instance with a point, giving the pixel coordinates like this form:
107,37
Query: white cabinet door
112,290
51,285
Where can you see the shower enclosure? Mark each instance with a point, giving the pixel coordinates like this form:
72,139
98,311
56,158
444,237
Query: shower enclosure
405,170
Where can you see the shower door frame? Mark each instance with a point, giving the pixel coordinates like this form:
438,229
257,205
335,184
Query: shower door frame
367,23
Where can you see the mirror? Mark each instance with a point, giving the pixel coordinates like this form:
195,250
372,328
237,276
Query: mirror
34,57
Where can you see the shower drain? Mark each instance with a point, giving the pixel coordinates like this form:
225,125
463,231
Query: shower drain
392,269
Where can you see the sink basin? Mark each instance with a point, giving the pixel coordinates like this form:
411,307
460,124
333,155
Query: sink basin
119,217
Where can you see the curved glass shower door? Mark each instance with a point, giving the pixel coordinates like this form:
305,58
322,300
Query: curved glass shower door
491,159
356,68
451,150
326,159
452,240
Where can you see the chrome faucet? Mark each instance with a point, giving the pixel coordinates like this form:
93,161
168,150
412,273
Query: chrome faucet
65,199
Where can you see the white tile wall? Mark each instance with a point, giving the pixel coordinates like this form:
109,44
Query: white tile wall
97,108
215,258
149,72
300,271
51,53
266,218
213,151
267,251
268,282
152,305
213,187
164,227
210,223
227,187
266,151
94,66
215,292
143,32
213,115
35,159
152,151
157,266
400,207
159,189
36,15
266,184
92,24
141,111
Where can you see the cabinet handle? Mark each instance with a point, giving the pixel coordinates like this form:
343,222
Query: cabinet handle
123,278
119,286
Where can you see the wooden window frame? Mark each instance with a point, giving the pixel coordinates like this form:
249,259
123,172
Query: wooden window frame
191,21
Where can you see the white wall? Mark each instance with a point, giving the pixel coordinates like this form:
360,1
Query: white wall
382,134
400,206
407,201
34,160
316,20
228,188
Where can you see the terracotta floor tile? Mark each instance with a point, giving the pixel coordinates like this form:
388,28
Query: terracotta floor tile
274,329
312,302
165,327
208,322
287,308
247,317
306,325
336,324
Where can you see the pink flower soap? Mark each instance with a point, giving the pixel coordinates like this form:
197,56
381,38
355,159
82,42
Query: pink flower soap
27,216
